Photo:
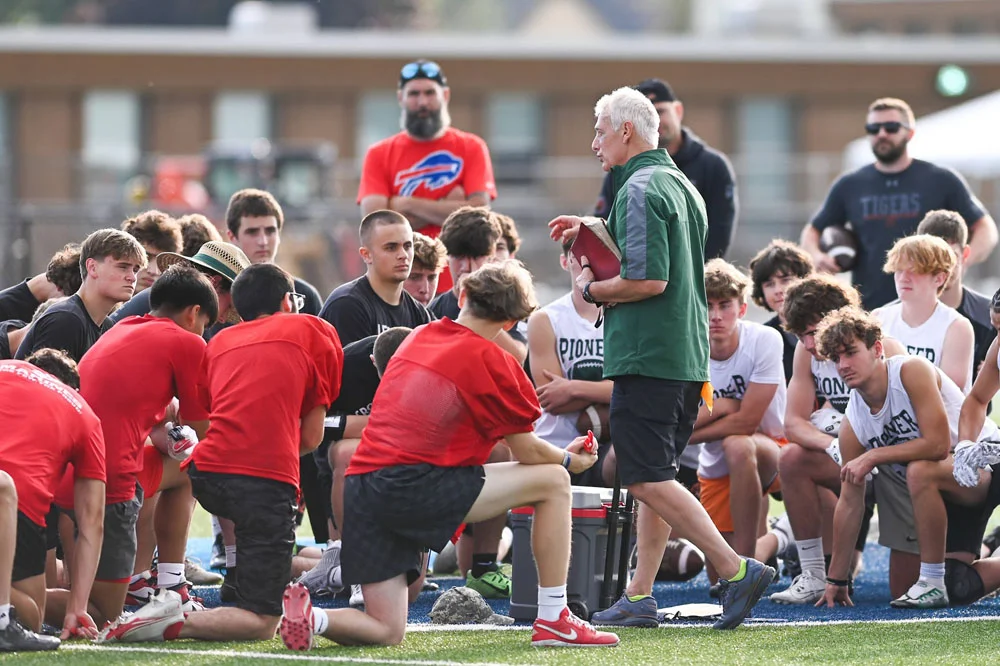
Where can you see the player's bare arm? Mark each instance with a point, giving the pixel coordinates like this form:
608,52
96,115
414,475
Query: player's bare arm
556,394
529,449
801,396
311,430
983,238
846,522
956,357
973,414
744,421
88,502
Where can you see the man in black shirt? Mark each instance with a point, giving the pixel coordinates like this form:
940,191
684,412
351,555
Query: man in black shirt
773,269
708,169
885,201
11,333
61,277
254,221
950,227
110,259
376,301
470,236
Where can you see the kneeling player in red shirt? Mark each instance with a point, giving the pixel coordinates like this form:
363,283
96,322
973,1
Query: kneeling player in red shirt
129,377
268,383
46,425
419,471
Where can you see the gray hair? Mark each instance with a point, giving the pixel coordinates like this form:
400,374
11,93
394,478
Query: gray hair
628,104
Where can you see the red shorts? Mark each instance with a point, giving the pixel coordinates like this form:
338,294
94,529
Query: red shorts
152,471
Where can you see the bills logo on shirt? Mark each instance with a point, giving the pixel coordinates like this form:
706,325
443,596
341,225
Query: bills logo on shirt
437,170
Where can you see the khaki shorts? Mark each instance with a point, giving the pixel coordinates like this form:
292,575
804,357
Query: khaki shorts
897,528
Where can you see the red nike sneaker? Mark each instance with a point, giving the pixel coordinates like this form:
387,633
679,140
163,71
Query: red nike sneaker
570,631
296,626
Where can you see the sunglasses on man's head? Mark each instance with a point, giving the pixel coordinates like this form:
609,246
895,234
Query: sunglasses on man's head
890,127
425,69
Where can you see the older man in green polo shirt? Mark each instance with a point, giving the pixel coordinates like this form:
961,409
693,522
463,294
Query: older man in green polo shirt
656,351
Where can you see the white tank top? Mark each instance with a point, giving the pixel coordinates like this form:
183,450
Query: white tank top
925,340
759,358
829,385
896,422
580,348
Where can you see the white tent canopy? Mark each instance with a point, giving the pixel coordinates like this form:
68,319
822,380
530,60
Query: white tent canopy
963,137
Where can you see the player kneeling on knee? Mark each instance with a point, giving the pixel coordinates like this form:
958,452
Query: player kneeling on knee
419,471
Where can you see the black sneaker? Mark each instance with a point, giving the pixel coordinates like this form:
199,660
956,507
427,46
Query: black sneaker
15,638
227,592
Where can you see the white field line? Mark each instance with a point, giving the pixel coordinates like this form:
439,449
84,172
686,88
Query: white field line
273,656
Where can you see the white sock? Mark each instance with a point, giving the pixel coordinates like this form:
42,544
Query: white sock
782,540
551,601
932,573
320,621
169,574
811,556
4,615
230,556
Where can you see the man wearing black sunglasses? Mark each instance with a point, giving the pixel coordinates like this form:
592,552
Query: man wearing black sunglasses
429,169
886,200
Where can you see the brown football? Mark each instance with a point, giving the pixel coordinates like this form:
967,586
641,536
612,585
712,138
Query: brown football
842,246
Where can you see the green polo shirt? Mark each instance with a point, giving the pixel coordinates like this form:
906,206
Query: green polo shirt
658,220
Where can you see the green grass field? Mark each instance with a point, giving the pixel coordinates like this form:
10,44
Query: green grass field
973,642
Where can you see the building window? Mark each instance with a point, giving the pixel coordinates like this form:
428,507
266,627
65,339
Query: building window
241,116
766,133
378,118
111,130
515,134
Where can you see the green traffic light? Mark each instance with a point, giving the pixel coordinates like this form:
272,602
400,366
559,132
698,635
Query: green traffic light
952,81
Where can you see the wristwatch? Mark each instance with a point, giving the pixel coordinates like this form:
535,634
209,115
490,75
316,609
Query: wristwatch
586,294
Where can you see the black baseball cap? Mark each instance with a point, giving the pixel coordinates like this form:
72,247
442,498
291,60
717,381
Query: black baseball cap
657,90
422,69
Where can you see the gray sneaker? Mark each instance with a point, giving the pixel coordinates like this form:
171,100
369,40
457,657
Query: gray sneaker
324,579
739,598
625,613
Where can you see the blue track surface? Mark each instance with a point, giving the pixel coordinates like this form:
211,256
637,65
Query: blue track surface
871,596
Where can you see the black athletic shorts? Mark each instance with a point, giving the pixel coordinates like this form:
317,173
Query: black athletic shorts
263,512
29,553
652,420
963,583
393,515
967,524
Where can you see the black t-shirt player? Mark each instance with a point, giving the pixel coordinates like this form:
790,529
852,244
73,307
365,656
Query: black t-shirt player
884,207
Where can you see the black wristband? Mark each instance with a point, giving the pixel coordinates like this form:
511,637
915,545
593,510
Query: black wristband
837,582
586,294
334,427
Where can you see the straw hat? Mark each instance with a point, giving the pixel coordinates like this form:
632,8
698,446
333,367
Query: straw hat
222,258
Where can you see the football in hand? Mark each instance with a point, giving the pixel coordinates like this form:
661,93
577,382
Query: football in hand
842,246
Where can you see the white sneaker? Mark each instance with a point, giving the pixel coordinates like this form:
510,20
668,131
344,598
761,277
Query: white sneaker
924,595
324,579
159,620
357,599
805,589
196,574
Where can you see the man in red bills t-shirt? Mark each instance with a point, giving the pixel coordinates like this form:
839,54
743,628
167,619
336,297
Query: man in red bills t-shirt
268,383
429,169
46,425
419,471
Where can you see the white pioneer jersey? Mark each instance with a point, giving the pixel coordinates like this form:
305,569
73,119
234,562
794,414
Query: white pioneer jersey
829,385
580,348
925,340
758,359
896,422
